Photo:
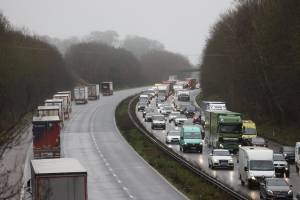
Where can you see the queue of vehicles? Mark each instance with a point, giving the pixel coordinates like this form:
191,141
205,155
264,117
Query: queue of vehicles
227,133
54,177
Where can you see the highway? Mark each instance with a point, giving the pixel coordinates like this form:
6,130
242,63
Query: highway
115,170
230,177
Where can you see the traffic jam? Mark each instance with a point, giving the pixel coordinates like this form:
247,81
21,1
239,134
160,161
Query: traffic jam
50,171
221,142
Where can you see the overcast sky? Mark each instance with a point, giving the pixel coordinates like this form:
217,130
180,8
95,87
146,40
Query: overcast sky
182,26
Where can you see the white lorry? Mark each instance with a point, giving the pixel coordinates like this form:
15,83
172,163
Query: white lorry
60,178
255,164
66,106
93,91
297,156
81,94
69,93
56,102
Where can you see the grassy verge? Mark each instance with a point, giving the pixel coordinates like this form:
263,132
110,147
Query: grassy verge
281,135
183,179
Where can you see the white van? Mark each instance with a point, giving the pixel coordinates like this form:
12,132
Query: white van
297,156
255,164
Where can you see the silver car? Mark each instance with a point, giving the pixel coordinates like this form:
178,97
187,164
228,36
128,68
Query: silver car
220,158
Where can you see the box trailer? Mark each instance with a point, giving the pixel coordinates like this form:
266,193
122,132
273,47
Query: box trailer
66,106
56,102
58,179
81,94
93,91
107,88
69,93
46,137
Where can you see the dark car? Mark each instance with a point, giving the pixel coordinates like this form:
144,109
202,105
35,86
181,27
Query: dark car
288,153
275,188
142,105
281,166
197,119
258,141
190,111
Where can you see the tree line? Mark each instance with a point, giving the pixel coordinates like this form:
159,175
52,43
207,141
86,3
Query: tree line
32,68
252,61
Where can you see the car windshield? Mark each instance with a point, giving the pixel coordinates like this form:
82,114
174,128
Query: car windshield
230,128
192,135
174,133
168,108
221,153
288,149
249,131
278,157
276,182
258,141
158,117
185,98
181,117
261,165
149,109
175,113
191,108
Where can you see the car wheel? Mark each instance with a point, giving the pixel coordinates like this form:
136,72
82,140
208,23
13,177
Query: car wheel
232,168
183,150
297,169
152,127
209,165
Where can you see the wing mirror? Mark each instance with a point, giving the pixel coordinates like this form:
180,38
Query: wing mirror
246,169
210,154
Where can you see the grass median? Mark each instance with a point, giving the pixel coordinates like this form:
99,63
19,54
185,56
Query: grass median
193,186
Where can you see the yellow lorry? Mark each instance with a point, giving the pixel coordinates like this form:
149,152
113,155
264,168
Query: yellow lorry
249,130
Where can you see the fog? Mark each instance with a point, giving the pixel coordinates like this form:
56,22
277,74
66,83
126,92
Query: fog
182,26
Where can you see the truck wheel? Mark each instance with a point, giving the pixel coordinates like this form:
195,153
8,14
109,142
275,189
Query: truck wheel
287,174
242,182
183,150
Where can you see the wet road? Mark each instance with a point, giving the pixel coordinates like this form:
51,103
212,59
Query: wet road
115,171
230,177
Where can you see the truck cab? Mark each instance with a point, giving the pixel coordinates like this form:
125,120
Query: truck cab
255,164
223,130
191,139
249,130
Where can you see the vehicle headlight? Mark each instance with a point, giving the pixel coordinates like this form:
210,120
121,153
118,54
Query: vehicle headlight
215,160
253,178
286,168
221,145
270,192
285,155
290,192
230,160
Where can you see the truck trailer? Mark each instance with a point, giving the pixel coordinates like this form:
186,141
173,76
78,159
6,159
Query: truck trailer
107,88
46,137
223,129
58,179
69,93
81,94
93,91
66,106
56,102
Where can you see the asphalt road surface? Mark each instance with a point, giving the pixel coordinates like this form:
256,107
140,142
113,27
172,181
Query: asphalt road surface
115,171
230,177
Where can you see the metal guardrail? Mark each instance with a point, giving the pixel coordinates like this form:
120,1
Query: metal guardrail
179,158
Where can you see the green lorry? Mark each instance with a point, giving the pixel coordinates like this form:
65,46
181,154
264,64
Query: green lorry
190,138
223,129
